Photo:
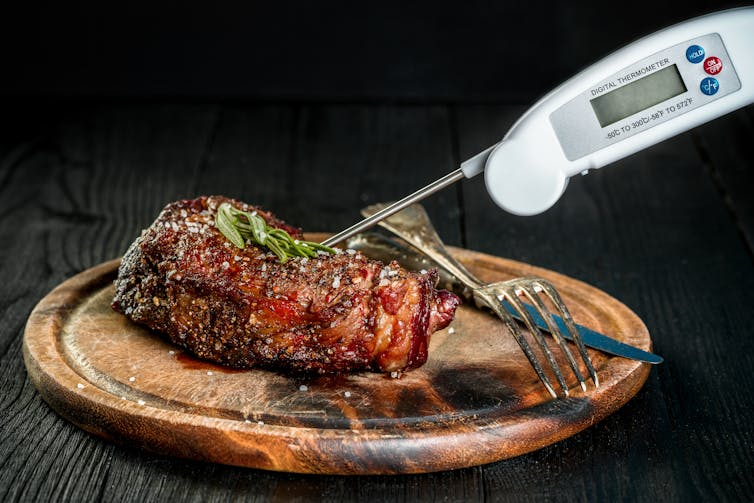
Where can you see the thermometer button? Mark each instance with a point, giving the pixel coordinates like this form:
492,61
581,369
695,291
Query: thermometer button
695,53
713,65
709,86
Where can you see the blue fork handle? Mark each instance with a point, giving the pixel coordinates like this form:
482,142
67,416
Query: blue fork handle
590,337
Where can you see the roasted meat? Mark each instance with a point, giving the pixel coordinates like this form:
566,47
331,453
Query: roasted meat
245,308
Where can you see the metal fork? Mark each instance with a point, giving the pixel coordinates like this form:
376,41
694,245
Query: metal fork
413,225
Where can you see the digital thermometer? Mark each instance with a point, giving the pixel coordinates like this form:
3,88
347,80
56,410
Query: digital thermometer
655,88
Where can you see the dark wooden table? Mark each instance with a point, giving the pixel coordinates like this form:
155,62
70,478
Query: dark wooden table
669,231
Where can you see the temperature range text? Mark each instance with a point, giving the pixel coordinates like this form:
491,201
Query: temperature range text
648,118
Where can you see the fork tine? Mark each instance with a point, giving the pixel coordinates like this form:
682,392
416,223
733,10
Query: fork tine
508,291
413,225
528,287
565,315
491,301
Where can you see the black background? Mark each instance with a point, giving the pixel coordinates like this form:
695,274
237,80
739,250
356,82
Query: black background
471,51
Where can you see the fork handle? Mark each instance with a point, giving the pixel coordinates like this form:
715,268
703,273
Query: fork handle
413,226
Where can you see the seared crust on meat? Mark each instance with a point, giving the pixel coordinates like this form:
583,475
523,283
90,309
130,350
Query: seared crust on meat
244,308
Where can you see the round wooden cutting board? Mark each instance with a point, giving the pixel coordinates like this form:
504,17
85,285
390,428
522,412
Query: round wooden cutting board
476,400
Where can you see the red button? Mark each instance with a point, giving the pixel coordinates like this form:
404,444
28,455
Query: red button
713,65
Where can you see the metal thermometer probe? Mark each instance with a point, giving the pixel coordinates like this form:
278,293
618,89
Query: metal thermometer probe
655,88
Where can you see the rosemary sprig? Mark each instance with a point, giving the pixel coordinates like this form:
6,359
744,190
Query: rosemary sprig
241,227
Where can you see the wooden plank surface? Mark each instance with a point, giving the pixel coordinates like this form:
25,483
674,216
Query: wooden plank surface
730,168
656,231
651,230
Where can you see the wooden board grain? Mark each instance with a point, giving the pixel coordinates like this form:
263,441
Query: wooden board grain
474,402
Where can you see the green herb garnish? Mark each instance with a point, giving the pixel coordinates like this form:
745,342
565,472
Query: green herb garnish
241,227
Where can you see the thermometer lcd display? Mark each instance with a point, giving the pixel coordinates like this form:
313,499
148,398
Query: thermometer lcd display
638,95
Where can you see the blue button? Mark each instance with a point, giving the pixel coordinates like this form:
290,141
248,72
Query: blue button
709,86
695,53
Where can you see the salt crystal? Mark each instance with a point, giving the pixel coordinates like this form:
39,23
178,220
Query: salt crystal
451,330
303,387
132,378
394,375
171,352
141,402
80,386
225,264
260,423
336,282
347,394
423,271
209,372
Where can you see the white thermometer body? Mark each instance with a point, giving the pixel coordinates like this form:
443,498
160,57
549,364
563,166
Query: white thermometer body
655,88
